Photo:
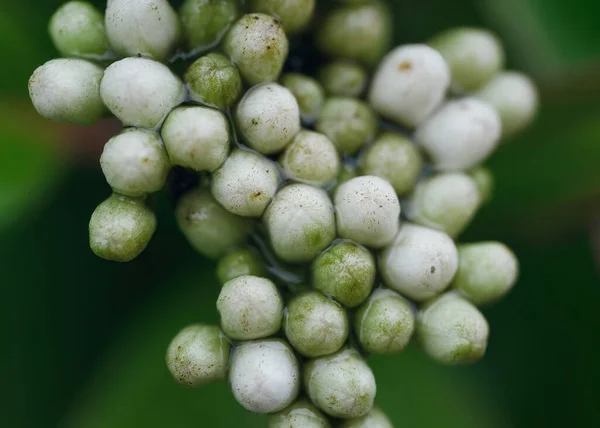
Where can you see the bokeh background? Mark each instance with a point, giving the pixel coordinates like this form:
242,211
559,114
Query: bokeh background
83,339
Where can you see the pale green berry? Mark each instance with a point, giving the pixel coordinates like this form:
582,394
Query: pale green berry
447,202
515,97
409,84
234,264
345,272
315,325
360,32
264,375
341,385
209,228
385,323
367,211
348,171
196,138
311,158
198,355
487,271
135,162
214,81
121,228
250,307
301,414
343,78
300,223
394,158
420,263
268,117
205,22
348,122
461,134
484,179
77,30
474,55
141,92
246,183
308,92
67,90
258,46
294,14
451,330
148,28
374,419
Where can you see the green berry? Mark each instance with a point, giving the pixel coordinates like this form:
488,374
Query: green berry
301,414
294,14
250,308
66,90
486,271
198,355
121,228
345,272
214,81
196,138
77,30
484,180
308,92
209,228
343,79
205,22
341,385
394,158
474,55
348,122
311,158
258,46
384,324
374,419
451,330
348,171
315,325
234,264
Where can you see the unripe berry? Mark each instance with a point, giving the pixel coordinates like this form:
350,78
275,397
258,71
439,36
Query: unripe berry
486,272
67,90
374,419
258,46
515,97
120,228
345,272
394,158
198,355
294,14
149,28
451,330
342,384
300,223
264,376
234,264
141,92
461,134
447,202
246,183
205,22
268,117
315,325
311,158
410,83
474,55
77,30
196,138
343,78
301,414
385,323
484,179
348,122
135,162
209,228
308,92
250,307
419,263
367,211
214,81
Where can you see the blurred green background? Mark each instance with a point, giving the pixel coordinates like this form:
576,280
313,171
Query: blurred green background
84,339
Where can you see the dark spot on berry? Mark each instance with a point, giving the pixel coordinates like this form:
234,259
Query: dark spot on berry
404,66
432,270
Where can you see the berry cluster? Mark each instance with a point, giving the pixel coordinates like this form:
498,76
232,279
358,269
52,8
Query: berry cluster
301,176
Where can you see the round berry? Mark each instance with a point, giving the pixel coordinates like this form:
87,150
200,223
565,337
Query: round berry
294,14
301,414
374,419
245,261
205,22
308,92
214,81
343,78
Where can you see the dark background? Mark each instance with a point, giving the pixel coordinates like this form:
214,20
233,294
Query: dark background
84,339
